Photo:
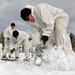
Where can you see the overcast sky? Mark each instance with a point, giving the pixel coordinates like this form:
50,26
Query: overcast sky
10,12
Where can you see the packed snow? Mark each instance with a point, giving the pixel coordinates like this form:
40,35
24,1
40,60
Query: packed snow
58,63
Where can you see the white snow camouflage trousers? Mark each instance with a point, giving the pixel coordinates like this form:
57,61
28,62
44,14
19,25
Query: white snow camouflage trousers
59,36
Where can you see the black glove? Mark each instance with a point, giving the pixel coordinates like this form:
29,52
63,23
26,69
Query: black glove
12,50
8,38
44,39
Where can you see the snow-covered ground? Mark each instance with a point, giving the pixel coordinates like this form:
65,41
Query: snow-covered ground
59,64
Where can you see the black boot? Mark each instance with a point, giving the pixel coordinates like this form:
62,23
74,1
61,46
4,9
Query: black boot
3,58
17,57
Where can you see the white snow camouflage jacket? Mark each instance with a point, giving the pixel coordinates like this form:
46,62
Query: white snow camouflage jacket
8,32
17,42
45,16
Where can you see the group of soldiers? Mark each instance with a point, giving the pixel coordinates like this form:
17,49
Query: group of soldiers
13,39
49,26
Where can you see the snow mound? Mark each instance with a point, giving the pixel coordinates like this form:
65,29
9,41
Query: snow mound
58,62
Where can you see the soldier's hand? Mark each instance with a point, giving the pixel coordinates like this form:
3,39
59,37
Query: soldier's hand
44,39
12,50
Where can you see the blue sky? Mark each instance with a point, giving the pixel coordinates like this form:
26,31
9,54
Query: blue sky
10,12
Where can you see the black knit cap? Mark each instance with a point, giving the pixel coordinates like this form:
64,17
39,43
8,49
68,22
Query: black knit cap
15,33
12,24
25,13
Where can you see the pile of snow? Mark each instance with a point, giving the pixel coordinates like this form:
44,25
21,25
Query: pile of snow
59,60
58,63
